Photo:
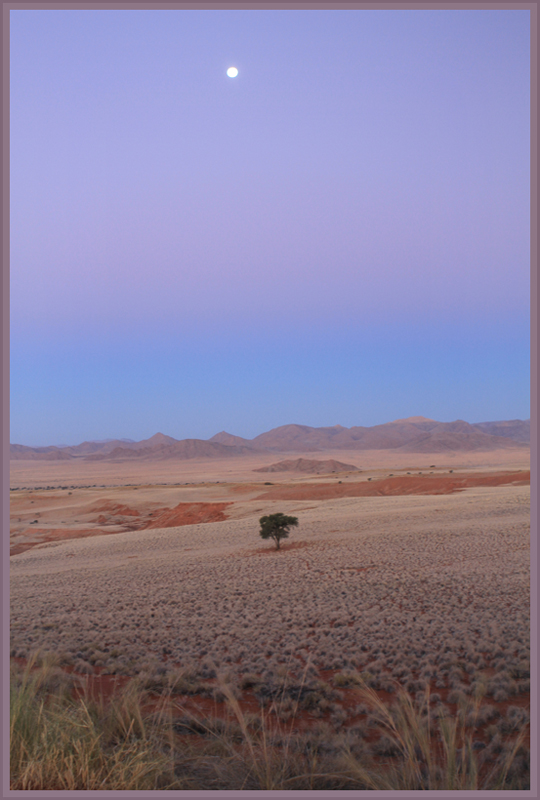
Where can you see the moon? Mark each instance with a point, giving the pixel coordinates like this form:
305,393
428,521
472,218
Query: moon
232,72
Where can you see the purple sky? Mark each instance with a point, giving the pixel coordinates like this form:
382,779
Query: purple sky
340,234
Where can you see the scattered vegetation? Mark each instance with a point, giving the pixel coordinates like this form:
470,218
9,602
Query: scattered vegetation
62,741
445,593
422,601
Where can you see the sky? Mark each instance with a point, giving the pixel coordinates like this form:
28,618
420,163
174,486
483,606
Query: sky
338,235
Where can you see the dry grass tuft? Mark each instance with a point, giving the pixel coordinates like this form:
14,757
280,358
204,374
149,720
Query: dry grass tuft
435,752
61,743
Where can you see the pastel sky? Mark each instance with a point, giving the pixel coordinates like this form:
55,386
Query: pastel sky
340,234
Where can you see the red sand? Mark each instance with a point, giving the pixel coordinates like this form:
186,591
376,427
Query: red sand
182,514
54,535
116,509
188,514
401,485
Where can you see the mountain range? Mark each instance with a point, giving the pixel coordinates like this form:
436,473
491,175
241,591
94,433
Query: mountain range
411,435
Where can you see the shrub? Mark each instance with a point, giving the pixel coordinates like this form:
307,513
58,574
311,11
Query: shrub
344,679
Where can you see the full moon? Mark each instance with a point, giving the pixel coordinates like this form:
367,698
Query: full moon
232,72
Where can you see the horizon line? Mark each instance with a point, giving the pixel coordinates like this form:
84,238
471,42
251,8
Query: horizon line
125,439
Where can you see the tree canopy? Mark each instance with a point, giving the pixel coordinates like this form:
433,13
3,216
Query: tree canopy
276,527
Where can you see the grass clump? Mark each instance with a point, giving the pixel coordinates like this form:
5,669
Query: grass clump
63,742
57,743
436,751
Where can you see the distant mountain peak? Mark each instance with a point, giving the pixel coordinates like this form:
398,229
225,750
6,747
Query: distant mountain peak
159,438
230,439
412,434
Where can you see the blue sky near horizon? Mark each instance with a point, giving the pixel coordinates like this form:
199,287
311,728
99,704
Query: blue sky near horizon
338,235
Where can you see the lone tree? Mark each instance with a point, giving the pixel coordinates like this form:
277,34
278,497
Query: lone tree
276,527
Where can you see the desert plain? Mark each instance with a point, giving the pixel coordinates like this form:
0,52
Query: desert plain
141,564
407,568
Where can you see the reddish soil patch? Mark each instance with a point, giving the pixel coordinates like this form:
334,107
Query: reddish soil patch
188,514
47,535
400,485
116,509
182,514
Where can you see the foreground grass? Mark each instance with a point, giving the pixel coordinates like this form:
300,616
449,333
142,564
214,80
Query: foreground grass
436,751
59,743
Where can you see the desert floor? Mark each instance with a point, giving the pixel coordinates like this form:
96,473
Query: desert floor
79,472
136,579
